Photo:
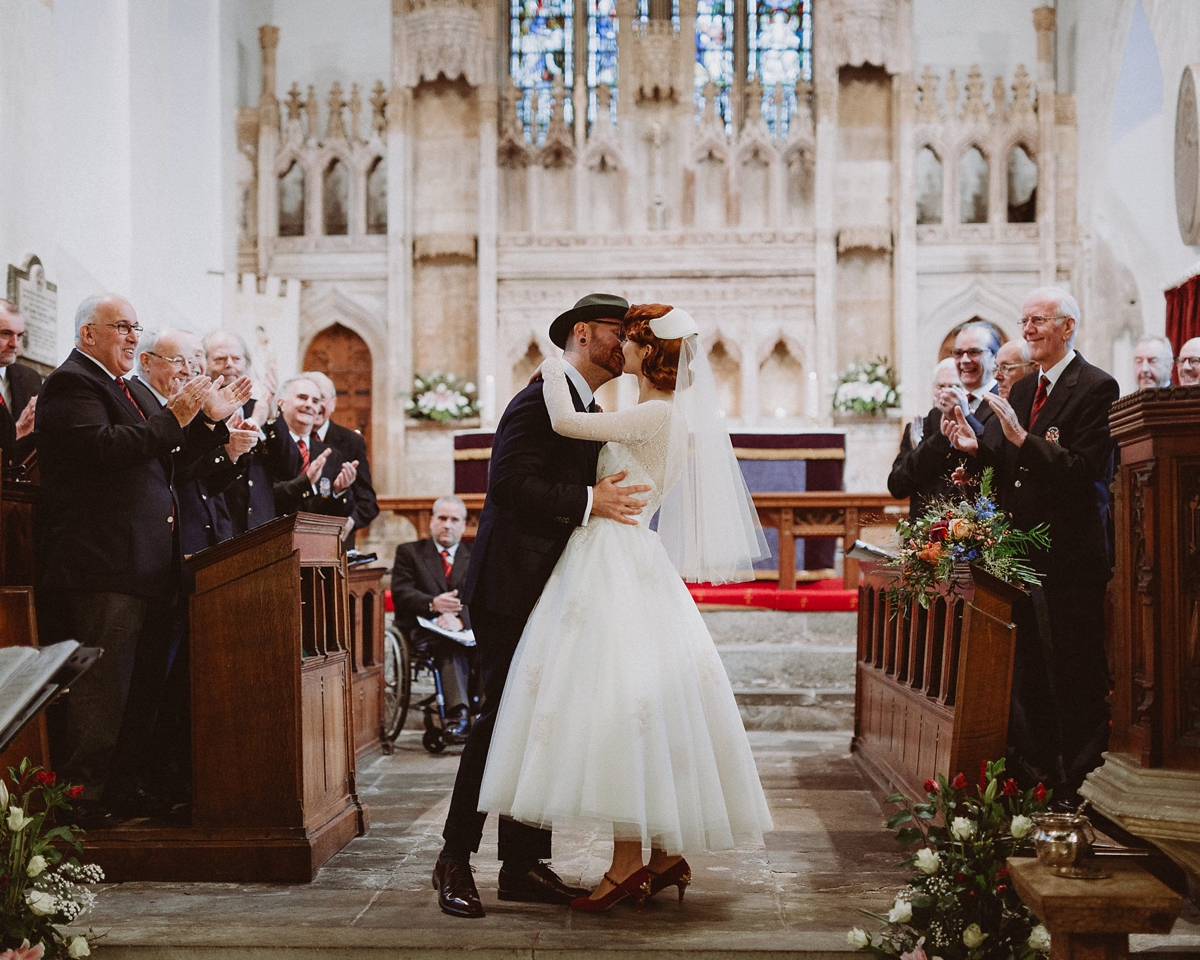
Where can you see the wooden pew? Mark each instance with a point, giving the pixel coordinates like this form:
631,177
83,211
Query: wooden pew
932,685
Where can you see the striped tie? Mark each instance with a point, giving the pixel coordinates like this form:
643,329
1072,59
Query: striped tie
303,454
1039,398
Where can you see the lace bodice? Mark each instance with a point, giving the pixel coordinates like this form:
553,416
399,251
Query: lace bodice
649,440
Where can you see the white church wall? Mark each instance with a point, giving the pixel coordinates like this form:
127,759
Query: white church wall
997,35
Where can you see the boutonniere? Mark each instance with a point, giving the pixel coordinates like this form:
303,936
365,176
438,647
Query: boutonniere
1053,435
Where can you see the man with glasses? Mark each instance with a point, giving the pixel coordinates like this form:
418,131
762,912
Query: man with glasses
1054,456
1189,363
910,477
1012,363
1153,359
109,565
19,386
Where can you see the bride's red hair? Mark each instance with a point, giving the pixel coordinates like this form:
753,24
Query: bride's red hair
661,364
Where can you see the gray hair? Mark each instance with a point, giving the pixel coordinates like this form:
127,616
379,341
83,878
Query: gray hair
946,363
148,343
989,329
449,498
1065,304
321,380
1161,341
87,311
7,306
212,335
286,385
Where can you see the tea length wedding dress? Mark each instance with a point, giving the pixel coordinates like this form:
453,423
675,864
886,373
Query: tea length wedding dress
617,708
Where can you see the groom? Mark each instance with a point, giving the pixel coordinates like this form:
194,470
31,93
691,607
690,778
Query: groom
540,488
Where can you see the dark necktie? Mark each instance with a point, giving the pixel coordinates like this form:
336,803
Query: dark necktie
971,398
1039,398
303,454
125,386
593,407
447,564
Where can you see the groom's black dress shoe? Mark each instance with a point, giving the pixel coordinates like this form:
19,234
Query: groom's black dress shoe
457,895
535,883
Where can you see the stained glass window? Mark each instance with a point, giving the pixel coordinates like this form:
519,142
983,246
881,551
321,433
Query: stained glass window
602,52
541,34
714,54
779,42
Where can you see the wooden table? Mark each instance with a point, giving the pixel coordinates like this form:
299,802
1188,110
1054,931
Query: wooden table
1092,919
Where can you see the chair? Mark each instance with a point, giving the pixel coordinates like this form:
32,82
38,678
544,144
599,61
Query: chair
403,665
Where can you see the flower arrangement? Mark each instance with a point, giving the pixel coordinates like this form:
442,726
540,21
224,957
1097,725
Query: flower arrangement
959,904
442,397
40,885
973,531
867,388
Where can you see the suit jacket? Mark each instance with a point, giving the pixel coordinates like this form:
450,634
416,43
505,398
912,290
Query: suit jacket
922,473
418,576
536,497
353,447
291,488
107,508
24,383
1062,473
249,499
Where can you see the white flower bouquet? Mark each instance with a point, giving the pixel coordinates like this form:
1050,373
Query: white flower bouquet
867,388
442,397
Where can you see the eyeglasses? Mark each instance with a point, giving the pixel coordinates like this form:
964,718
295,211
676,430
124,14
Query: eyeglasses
173,361
621,338
1013,367
1189,361
123,328
973,352
1040,321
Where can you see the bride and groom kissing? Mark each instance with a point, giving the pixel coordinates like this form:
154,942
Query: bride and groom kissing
605,701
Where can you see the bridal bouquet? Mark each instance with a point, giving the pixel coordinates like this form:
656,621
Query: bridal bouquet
40,884
866,388
442,397
971,531
959,904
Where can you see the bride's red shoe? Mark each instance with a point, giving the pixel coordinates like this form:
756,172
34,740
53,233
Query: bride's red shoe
678,874
636,885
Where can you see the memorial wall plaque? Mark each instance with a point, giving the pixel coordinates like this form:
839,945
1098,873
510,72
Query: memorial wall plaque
37,299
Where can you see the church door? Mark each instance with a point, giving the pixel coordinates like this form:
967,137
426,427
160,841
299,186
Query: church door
343,356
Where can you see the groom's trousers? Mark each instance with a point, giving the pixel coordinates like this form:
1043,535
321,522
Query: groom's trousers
496,638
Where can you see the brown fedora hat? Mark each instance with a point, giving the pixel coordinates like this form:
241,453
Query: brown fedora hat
595,306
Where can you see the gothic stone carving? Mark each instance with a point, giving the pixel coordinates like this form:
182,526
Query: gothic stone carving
865,32
442,38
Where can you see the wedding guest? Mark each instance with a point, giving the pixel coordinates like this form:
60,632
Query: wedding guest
916,471
1189,363
1012,363
1055,457
19,386
426,577
306,474
352,447
1152,362
975,349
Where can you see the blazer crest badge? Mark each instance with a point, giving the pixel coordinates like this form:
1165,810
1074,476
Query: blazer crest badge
1053,435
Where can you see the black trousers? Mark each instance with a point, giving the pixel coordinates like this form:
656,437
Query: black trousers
496,637
453,663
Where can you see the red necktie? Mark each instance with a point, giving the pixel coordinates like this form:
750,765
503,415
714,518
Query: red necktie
125,387
1039,398
303,454
447,564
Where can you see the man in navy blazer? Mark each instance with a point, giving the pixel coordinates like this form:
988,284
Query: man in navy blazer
541,487
107,521
19,386
1054,456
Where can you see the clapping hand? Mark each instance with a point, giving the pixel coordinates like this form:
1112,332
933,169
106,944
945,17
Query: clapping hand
346,476
243,435
222,398
1013,430
188,398
960,434
316,466
25,420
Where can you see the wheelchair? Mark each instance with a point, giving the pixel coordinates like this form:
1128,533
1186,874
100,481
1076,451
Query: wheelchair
401,666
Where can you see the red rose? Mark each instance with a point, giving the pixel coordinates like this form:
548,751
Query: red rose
960,877
1010,788
937,532
1000,889
1039,793
74,792
958,783
931,786
1002,873
982,774
44,778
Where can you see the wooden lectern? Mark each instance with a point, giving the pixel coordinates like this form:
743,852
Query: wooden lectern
272,737
933,685
366,649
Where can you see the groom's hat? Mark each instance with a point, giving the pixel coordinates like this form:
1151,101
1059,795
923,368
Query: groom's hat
595,306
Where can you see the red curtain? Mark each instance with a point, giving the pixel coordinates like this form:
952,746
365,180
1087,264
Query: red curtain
1183,312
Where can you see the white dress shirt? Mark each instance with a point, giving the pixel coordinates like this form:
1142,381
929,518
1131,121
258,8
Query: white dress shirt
586,395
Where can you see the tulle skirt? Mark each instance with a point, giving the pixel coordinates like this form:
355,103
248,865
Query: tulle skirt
617,708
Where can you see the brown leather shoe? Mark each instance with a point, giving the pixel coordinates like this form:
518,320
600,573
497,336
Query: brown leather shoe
457,895
536,883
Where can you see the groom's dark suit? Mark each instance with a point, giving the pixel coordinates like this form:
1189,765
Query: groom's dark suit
537,495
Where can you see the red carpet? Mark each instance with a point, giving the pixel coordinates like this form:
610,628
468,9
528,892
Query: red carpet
819,595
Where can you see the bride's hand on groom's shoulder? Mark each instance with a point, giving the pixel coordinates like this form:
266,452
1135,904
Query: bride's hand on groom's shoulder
617,503
535,376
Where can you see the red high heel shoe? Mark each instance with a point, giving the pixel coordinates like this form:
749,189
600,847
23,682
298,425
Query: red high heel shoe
679,874
636,885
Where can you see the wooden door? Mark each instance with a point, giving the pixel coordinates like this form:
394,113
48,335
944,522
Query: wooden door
343,356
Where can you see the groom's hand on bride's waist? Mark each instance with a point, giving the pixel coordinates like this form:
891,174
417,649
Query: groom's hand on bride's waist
615,502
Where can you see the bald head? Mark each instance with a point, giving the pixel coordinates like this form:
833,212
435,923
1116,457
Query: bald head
1189,363
1152,362
107,330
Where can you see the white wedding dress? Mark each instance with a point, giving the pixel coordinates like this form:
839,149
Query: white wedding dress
617,709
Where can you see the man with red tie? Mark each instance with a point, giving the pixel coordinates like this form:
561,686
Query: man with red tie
426,576
109,565
19,386
1054,457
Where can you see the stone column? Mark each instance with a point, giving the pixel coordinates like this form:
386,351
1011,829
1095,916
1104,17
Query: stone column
489,216
905,346
268,146
578,88
825,95
1043,22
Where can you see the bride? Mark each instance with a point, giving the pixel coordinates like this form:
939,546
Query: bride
617,709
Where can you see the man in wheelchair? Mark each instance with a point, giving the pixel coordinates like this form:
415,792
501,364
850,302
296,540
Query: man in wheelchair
426,576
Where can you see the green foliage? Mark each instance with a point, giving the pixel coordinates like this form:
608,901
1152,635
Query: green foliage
867,388
442,397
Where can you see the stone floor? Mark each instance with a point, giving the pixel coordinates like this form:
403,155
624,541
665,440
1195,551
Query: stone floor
828,857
